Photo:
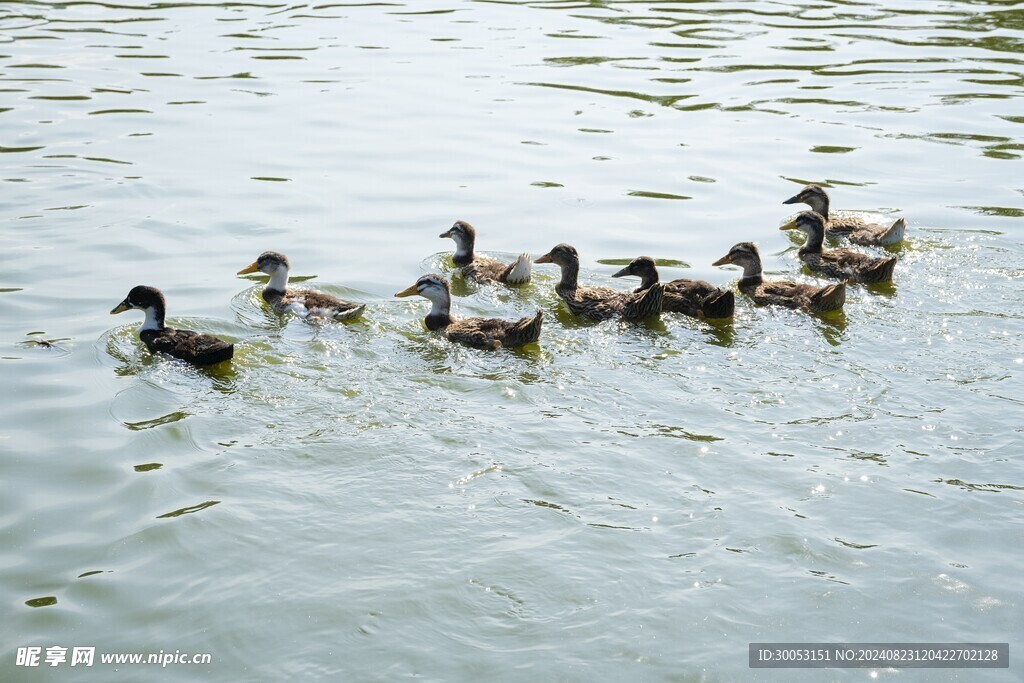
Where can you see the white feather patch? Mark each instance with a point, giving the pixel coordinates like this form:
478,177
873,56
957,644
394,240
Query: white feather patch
298,308
351,313
520,272
894,235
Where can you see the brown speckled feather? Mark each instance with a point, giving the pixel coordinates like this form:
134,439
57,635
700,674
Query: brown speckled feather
489,333
486,271
861,232
797,295
697,298
601,303
850,265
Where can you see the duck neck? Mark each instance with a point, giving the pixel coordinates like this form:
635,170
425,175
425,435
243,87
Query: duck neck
648,279
570,275
813,245
820,205
464,251
278,280
751,274
440,314
154,318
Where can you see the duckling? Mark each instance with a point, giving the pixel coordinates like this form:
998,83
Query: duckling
305,303
856,229
600,303
845,264
780,292
201,349
692,297
484,270
481,333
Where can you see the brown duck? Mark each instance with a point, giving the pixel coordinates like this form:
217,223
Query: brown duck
844,264
780,292
305,303
200,349
484,270
599,303
691,297
483,333
855,229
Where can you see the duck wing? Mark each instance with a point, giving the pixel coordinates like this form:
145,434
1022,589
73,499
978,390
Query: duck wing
484,270
691,297
314,304
850,265
596,303
492,333
489,271
193,347
644,304
874,234
780,293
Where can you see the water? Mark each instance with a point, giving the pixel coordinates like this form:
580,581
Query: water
365,501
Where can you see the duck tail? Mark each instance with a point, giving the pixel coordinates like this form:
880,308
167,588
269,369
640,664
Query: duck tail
895,233
645,304
830,298
527,330
720,304
881,271
351,313
217,352
519,272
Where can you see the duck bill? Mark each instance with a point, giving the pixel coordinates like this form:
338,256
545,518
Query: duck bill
789,226
446,233
251,268
725,260
623,273
120,308
408,291
795,199
546,258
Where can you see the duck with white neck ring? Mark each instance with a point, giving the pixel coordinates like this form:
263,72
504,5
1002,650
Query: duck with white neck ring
855,229
780,292
599,303
200,349
844,264
484,270
305,303
481,333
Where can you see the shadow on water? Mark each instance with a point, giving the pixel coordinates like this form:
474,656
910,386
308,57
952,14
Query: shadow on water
832,326
883,289
169,418
719,332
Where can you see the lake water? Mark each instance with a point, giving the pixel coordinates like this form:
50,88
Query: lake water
621,502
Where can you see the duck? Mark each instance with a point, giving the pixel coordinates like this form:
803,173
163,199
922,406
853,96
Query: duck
481,333
599,303
780,292
305,303
484,270
844,264
193,347
695,298
855,229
